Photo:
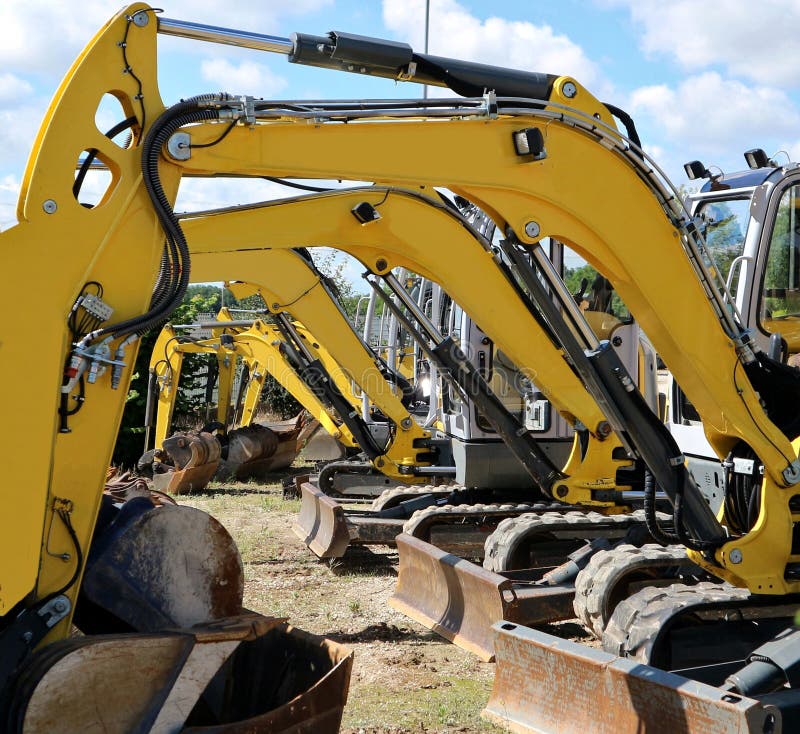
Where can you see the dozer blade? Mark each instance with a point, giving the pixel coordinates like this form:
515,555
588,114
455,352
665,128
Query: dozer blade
547,685
321,523
461,600
248,674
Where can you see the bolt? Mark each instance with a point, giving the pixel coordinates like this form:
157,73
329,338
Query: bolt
561,490
736,556
379,463
60,606
140,19
617,341
50,206
532,229
603,429
405,423
569,90
27,636
380,264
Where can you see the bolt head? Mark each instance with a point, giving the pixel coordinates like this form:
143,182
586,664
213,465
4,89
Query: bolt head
569,90
603,429
140,19
532,229
736,556
50,206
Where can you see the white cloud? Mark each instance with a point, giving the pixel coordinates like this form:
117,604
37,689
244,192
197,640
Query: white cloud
198,194
455,32
754,41
244,78
9,192
12,88
712,111
710,117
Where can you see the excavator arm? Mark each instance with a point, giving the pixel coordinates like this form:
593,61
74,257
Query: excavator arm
258,347
289,285
533,182
97,294
429,238
65,457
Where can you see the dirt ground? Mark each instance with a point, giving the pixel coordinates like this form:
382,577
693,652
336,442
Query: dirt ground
405,678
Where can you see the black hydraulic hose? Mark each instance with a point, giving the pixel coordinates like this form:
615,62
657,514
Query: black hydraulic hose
627,121
174,279
650,519
91,154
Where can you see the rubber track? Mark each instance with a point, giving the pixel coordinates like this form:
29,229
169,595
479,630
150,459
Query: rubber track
503,544
633,628
595,584
404,492
453,513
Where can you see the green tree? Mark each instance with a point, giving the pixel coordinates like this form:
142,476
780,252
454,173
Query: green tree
332,265
130,440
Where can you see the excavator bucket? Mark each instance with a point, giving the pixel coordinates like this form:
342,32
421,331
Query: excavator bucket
461,600
548,685
247,674
321,523
251,452
319,445
159,567
196,459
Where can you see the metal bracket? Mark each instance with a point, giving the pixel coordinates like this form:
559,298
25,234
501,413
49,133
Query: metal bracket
249,109
55,610
791,474
409,73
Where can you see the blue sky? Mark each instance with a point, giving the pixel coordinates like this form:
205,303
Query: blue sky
703,80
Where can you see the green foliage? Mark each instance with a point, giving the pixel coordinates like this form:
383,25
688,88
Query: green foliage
724,232
332,266
277,400
130,441
782,278
574,278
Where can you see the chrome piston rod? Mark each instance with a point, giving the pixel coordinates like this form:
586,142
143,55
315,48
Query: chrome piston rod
228,36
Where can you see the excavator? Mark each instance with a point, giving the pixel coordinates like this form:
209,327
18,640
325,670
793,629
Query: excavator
397,447
536,136
524,128
429,232
188,460
161,641
590,477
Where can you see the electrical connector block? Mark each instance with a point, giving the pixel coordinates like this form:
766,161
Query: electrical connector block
96,306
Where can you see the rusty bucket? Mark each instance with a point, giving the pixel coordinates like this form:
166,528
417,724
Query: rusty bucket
249,674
